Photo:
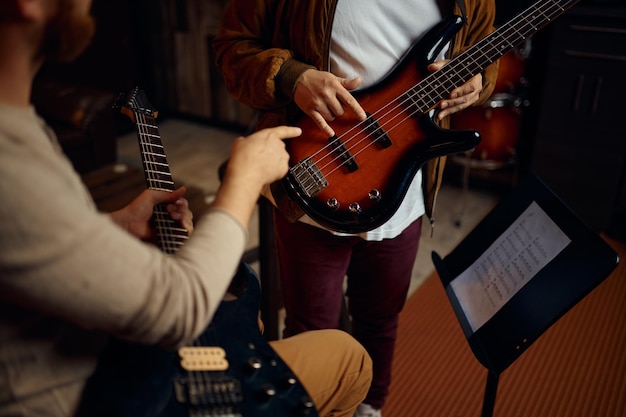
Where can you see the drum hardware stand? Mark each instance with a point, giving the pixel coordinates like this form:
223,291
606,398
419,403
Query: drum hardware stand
506,101
465,189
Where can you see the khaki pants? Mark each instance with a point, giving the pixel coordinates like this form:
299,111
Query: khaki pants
333,367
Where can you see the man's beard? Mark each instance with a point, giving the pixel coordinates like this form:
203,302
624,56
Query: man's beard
67,34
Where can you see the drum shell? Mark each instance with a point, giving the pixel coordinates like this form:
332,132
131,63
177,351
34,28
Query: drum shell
499,122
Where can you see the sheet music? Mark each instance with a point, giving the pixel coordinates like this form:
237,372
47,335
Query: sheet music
527,246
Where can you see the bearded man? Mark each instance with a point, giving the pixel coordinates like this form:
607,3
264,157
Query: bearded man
72,277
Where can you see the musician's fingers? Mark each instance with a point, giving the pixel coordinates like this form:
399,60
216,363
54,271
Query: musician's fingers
287,132
461,97
353,105
449,107
350,84
437,65
320,121
472,87
348,99
180,211
261,157
335,108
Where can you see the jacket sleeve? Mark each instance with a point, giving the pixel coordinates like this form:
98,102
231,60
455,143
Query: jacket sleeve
248,63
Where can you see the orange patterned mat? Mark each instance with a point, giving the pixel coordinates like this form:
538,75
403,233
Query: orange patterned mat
577,368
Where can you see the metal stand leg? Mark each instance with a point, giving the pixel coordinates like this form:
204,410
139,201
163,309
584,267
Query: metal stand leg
465,191
489,400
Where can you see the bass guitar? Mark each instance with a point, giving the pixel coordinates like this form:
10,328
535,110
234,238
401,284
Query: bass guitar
230,370
355,181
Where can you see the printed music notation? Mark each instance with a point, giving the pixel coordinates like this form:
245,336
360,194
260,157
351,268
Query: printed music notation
528,245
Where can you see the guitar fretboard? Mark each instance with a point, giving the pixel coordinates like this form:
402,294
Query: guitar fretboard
435,87
158,177
155,165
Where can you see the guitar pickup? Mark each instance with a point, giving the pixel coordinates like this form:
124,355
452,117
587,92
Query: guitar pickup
340,149
203,358
380,136
209,395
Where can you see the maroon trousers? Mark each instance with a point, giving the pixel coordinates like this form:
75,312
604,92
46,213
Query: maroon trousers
314,266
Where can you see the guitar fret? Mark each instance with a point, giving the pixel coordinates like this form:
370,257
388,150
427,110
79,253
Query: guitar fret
156,175
150,126
151,141
154,186
157,164
155,149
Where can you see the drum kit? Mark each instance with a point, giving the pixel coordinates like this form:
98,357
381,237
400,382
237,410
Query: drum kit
499,119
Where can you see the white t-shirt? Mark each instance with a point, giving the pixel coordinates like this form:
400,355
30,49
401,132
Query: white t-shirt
370,51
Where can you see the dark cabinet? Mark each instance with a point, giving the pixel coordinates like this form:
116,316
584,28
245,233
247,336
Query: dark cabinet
179,34
580,142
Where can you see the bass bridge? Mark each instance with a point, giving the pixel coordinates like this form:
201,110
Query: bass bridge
308,177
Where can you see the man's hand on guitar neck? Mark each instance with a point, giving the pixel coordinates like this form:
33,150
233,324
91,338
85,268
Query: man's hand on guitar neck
322,95
461,97
135,216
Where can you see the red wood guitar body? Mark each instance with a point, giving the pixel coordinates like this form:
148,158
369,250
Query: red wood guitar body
356,180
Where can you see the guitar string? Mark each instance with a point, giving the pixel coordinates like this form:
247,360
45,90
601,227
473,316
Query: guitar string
527,27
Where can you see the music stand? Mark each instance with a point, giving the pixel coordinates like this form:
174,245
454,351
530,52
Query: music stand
527,263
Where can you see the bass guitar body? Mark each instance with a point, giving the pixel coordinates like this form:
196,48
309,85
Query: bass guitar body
248,378
356,180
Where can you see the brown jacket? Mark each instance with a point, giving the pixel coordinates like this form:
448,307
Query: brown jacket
261,50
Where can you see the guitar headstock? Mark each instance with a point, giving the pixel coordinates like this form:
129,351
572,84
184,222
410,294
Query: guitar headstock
134,103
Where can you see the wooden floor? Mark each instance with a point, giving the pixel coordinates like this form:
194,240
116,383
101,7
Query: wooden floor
577,368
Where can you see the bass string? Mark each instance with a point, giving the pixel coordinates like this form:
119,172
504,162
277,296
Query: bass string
409,100
532,19
353,142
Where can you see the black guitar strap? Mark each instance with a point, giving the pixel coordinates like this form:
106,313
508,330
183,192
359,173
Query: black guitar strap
461,4
445,6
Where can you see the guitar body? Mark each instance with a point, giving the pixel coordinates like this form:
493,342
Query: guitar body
366,176
146,381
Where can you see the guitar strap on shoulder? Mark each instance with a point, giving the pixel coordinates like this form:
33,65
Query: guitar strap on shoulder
461,4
